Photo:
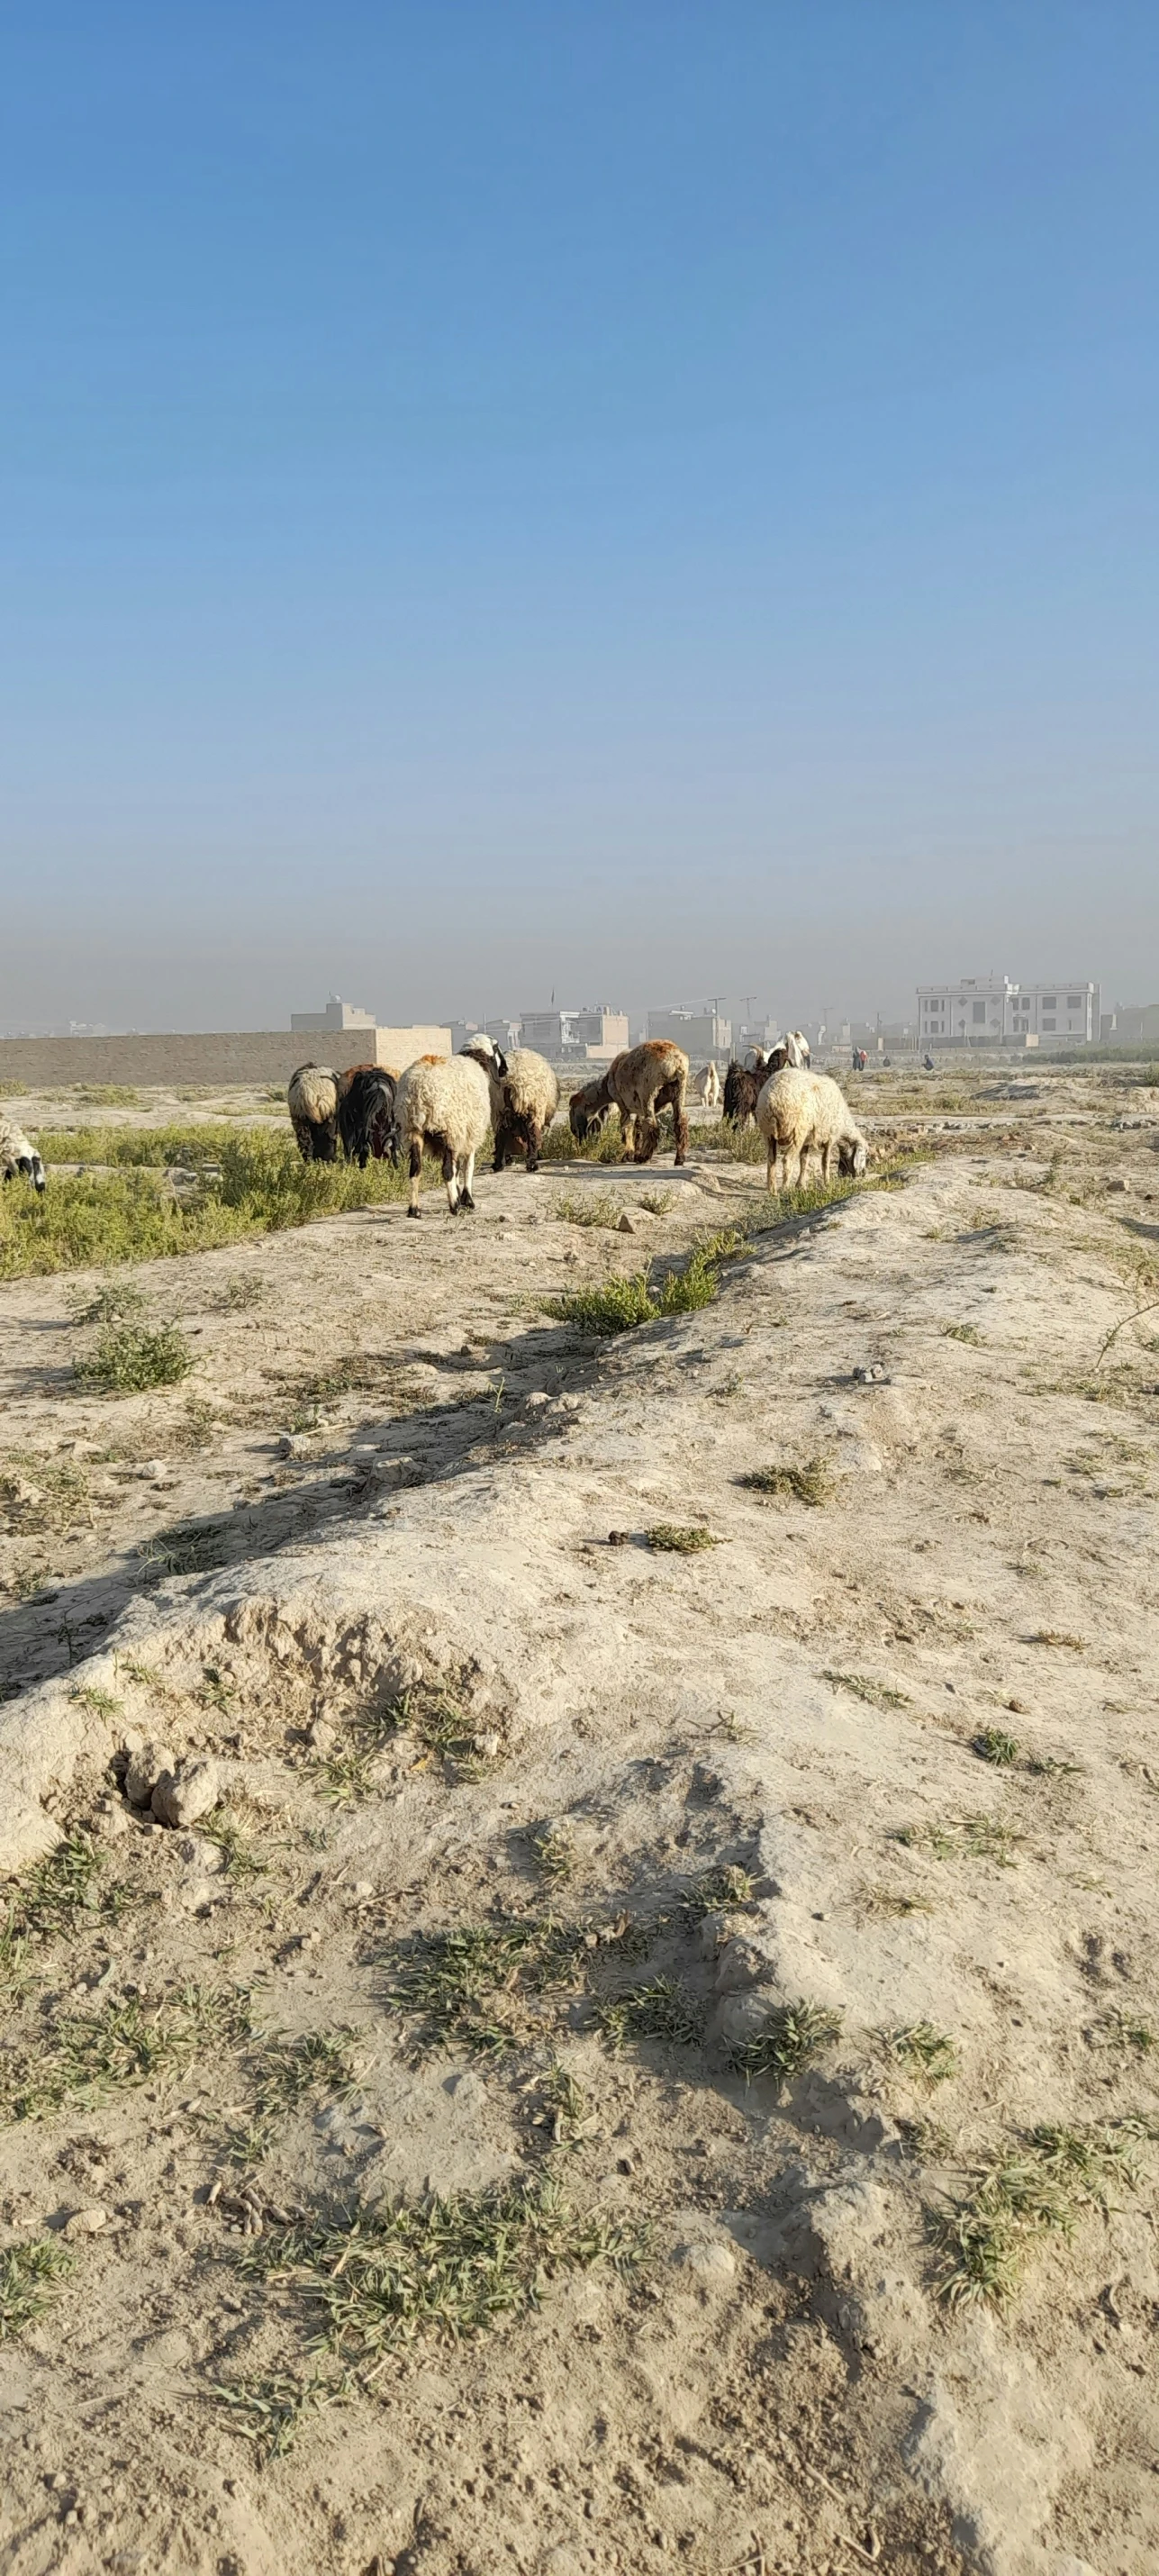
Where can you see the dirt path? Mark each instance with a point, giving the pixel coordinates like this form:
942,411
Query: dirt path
662,1800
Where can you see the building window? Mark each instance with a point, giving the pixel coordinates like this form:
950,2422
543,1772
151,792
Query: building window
1074,1001
979,1009
1048,1024
1050,1001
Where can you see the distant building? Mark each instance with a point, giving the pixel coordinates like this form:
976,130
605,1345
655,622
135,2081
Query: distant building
1131,1024
596,1033
505,1033
700,1033
989,1011
337,1015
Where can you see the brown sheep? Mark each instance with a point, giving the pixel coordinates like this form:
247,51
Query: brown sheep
642,1082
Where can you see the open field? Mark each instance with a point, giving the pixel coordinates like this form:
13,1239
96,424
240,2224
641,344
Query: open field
649,2053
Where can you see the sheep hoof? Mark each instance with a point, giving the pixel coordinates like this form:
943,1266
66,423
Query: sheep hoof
466,1206
414,1211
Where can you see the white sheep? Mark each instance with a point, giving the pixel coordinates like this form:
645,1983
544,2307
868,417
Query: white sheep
443,1102
797,1051
18,1155
312,1099
705,1087
798,1112
524,1098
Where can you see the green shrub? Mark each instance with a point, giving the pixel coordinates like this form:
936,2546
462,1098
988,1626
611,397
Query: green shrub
126,1358
623,1303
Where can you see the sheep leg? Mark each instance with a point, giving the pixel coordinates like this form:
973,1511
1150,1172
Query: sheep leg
466,1202
416,1165
771,1182
680,1121
534,1141
451,1179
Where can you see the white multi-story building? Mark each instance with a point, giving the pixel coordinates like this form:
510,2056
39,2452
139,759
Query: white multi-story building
988,1010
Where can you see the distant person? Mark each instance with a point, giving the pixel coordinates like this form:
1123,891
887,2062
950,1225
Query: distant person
927,1063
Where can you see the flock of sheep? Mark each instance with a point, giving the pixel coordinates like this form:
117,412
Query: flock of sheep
444,1105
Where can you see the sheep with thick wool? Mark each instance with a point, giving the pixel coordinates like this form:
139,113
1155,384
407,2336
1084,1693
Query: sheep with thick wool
639,1083
524,1098
312,1099
799,1113
443,1103
366,1113
18,1154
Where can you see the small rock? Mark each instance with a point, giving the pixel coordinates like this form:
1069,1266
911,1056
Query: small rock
1118,1184
487,1747
183,1797
198,1853
86,2222
1018,1707
537,1399
143,1770
362,1888
625,1225
710,2262
322,1735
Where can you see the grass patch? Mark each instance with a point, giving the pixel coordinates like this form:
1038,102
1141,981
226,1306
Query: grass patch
594,1208
813,1484
42,1494
878,1694
962,1333
472,1987
977,1837
995,1745
127,1358
243,1182
719,1891
189,1547
85,2056
657,1202
923,2051
669,1538
564,2105
281,2073
789,2038
108,1095
441,1727
380,2278
554,1851
1039,2189
267,2408
621,1304
59,1894
606,1146
1057,1637
28,2275
661,2009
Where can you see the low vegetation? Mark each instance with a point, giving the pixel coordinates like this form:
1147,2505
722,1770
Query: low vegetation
28,2277
671,1538
923,2051
1028,2193
790,2036
813,1483
620,1304
127,1358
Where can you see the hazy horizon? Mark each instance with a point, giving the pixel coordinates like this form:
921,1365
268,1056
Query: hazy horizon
639,501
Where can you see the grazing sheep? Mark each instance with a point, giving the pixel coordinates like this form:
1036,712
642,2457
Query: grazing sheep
366,1113
524,1098
18,1155
642,1082
799,1111
444,1103
590,1106
313,1105
743,1084
705,1087
639,1083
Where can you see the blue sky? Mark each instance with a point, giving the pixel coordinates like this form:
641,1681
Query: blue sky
639,499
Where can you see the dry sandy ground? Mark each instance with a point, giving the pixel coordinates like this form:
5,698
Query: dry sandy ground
586,1731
